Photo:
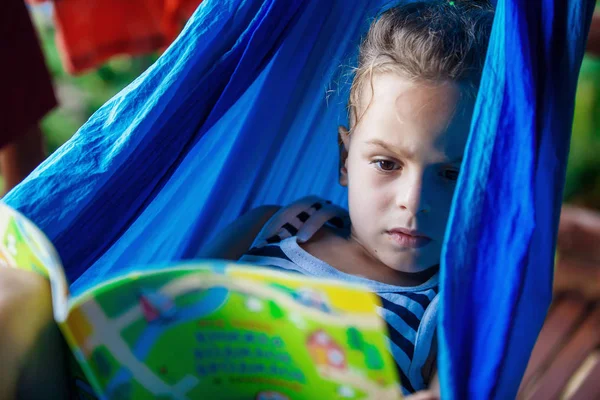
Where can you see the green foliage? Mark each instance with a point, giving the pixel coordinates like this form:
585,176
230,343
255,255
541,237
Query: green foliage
583,169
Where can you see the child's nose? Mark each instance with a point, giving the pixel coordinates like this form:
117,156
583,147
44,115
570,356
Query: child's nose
411,195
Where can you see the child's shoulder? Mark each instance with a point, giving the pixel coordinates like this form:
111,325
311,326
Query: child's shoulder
271,223
303,219
236,238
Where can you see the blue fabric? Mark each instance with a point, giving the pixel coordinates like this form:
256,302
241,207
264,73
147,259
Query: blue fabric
497,261
240,111
243,109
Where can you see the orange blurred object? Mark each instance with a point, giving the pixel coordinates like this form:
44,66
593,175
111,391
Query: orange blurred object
89,32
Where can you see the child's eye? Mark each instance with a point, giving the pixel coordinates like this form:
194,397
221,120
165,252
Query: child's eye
386,165
450,174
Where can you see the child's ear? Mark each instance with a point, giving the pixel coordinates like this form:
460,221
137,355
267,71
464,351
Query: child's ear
344,142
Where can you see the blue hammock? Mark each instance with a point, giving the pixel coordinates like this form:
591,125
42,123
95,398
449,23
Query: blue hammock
243,109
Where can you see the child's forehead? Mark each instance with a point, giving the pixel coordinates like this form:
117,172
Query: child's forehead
412,101
415,96
409,114
409,101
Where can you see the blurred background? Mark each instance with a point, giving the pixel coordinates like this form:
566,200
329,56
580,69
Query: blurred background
79,95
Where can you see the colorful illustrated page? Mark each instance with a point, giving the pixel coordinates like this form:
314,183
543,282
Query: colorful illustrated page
211,330
24,246
226,331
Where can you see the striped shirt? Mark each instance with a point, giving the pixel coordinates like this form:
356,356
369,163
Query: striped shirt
410,312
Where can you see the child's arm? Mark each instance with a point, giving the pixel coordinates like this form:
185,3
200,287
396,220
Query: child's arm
32,351
233,241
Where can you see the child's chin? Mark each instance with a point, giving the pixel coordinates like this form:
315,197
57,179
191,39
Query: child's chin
415,266
406,268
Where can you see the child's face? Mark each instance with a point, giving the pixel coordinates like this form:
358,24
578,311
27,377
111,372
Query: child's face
402,164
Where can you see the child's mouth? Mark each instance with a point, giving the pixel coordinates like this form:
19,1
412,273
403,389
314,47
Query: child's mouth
408,239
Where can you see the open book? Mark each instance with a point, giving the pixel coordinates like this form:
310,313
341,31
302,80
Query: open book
211,330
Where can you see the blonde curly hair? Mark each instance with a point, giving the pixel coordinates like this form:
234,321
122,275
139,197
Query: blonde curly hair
428,41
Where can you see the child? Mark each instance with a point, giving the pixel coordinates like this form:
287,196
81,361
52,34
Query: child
410,107
410,110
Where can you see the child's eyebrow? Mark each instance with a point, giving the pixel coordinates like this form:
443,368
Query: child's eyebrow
404,152
391,148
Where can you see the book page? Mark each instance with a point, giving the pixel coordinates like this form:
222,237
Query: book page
24,246
227,331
